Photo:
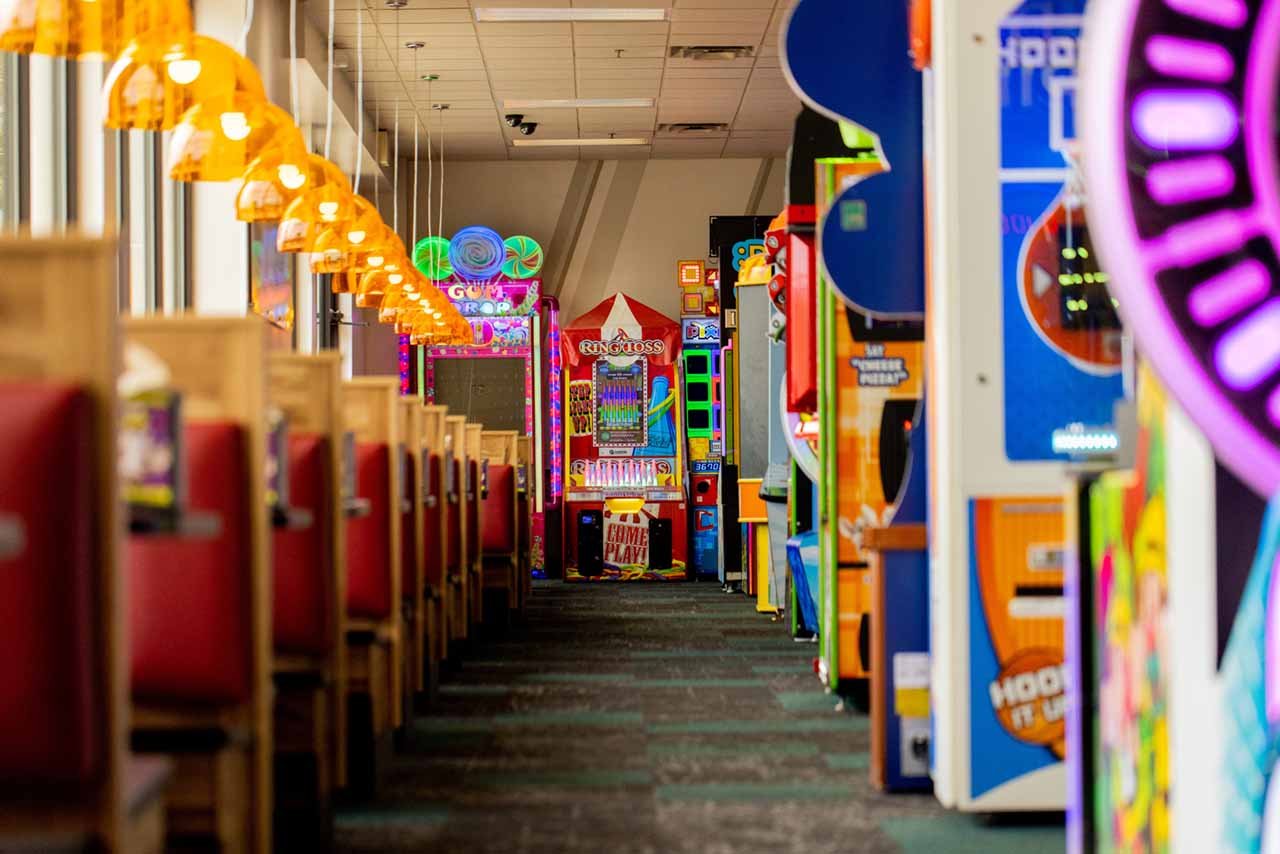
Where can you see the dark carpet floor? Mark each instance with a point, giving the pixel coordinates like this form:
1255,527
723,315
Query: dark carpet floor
637,718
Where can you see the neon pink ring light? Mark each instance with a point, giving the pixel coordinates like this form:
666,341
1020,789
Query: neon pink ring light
1180,159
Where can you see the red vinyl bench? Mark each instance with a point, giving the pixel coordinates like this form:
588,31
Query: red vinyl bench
501,539
65,775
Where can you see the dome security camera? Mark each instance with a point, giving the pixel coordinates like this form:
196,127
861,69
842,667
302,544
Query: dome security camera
513,119
527,128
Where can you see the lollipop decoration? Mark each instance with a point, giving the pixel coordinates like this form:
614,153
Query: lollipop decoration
523,258
477,253
431,257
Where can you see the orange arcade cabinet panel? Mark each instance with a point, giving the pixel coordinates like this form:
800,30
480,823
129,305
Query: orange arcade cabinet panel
624,478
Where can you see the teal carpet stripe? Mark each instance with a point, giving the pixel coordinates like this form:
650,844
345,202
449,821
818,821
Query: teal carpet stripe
754,791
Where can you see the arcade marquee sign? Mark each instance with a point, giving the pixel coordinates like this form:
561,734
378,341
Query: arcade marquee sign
623,347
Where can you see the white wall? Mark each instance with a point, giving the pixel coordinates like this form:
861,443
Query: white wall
611,226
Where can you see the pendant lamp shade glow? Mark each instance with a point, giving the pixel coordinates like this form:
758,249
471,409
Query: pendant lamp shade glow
165,72
85,29
276,179
327,204
217,139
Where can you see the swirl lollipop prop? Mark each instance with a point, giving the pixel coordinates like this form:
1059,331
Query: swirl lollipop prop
477,253
523,257
431,257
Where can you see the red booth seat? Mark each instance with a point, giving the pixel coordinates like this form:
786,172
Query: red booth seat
190,625
409,554
301,558
431,513
455,511
500,532
369,537
473,510
52,716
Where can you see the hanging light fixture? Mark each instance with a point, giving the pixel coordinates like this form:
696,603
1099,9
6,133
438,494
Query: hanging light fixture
163,73
339,246
274,180
218,138
327,201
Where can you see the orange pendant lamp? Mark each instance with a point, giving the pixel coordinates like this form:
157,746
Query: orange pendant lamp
338,246
85,29
327,204
218,138
276,179
164,73
375,284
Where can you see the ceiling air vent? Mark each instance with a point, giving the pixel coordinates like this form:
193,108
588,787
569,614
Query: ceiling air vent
712,53
692,128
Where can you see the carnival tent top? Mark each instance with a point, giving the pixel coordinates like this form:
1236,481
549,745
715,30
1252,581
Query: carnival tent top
624,325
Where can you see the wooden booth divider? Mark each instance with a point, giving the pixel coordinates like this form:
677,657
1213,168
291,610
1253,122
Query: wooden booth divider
475,522
200,603
525,491
458,555
310,582
66,772
434,541
412,572
374,635
500,539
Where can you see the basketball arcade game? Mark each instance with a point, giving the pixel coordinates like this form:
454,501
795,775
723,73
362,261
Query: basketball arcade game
624,467
1013,410
493,283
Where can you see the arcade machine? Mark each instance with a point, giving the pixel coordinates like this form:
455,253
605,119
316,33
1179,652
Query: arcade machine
870,299
775,489
703,413
1184,559
625,503
752,349
1015,400
733,240
500,379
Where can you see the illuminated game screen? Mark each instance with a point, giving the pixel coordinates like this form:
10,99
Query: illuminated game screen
1085,301
622,404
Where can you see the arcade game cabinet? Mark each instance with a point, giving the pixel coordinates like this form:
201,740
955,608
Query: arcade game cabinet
704,412
733,240
1014,406
870,306
626,510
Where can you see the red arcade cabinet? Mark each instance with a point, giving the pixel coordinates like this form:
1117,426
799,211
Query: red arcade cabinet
625,505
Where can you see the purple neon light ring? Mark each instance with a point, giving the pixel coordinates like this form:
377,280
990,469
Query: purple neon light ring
1188,204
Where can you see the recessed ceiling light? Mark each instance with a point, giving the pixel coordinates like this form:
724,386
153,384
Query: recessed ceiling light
576,103
582,143
529,15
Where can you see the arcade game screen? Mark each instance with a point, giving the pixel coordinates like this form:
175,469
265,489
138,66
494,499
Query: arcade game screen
623,405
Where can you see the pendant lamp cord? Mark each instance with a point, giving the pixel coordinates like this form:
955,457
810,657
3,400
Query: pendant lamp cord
416,123
248,24
430,178
377,173
328,125
293,60
440,218
395,179
359,95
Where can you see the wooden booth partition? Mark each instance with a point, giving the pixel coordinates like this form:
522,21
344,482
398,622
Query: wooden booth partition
412,572
474,492
434,545
200,601
500,539
65,763
458,557
526,471
371,413
310,576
